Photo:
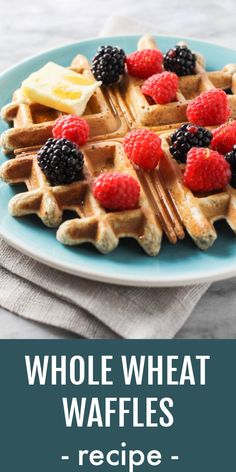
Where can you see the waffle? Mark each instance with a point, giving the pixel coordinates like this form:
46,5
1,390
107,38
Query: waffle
32,122
143,111
166,206
94,224
113,111
197,213
174,207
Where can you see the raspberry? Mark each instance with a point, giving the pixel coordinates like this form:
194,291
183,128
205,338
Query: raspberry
206,170
224,138
71,127
186,137
162,87
209,109
180,60
116,191
143,147
144,63
108,64
61,161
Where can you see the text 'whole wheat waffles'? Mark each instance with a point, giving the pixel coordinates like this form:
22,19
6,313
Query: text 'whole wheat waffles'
153,153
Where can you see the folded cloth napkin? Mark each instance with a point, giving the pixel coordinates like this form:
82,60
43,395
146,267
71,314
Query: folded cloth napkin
91,309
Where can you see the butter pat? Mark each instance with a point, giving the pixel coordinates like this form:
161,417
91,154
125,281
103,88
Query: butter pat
57,87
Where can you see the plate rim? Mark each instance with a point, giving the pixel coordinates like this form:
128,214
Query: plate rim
112,280
96,275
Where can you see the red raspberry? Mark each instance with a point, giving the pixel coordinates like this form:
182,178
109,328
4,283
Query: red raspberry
71,127
161,87
116,191
206,170
143,147
144,63
224,138
209,109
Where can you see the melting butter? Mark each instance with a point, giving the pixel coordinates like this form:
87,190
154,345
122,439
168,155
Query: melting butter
57,87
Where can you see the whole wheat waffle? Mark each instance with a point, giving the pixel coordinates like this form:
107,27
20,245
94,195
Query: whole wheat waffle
32,123
197,213
143,111
166,206
174,207
94,224
112,111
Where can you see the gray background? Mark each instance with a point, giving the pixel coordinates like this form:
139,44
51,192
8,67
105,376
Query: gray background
28,27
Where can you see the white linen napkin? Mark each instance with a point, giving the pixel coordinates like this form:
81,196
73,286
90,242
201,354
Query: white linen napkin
92,309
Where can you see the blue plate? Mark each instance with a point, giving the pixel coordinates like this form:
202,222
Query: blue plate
179,264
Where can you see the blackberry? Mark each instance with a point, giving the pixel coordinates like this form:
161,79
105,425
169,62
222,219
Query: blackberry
230,157
228,91
187,137
108,64
61,161
180,60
